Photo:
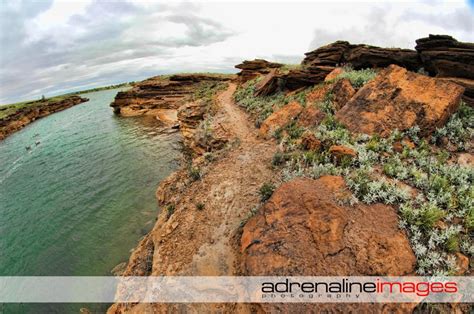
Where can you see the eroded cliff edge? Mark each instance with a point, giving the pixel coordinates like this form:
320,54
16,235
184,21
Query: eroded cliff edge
330,168
14,118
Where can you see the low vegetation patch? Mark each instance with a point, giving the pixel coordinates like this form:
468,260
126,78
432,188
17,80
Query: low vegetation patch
358,78
266,191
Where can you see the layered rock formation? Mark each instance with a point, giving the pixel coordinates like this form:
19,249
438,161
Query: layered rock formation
31,111
399,99
440,55
254,68
444,56
153,95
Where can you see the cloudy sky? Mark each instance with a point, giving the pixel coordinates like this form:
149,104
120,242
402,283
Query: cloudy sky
51,47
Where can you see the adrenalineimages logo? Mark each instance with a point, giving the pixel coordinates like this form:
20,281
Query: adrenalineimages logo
349,289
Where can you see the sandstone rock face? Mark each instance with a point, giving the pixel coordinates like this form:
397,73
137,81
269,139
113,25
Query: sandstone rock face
160,93
340,152
303,230
32,111
268,85
195,137
342,92
468,85
444,56
296,79
360,56
311,116
251,69
398,99
334,74
279,119
310,142
364,56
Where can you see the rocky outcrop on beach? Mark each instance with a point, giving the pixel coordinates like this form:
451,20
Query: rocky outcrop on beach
399,99
161,94
31,111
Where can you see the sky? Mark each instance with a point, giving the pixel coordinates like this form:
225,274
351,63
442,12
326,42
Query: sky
50,47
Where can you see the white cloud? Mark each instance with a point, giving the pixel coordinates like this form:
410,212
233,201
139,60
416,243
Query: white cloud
68,45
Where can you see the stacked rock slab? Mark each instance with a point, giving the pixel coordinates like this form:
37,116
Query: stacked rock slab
445,57
253,68
161,93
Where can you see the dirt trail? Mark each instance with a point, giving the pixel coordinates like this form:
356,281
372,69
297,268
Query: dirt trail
203,242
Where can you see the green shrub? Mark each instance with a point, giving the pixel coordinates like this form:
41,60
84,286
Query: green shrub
266,191
194,173
358,78
200,206
170,211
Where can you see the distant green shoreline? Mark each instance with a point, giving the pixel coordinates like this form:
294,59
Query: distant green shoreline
60,97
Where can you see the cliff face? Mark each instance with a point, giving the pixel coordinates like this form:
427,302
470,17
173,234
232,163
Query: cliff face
161,96
366,168
32,111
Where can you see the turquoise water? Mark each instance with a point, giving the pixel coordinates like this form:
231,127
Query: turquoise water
78,202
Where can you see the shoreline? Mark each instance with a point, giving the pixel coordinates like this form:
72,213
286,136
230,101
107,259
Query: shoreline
32,111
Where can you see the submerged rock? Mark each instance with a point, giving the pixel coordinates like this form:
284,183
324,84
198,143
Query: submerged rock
399,99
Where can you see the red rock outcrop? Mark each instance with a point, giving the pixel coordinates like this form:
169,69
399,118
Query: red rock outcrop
193,128
399,99
253,68
342,91
311,116
268,85
340,152
32,111
444,56
279,119
160,93
310,142
304,230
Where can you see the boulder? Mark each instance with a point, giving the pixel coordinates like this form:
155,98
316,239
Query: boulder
340,152
252,69
365,56
444,56
334,74
310,117
280,119
468,85
398,99
305,230
329,55
268,85
361,56
296,79
310,142
342,91
319,93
